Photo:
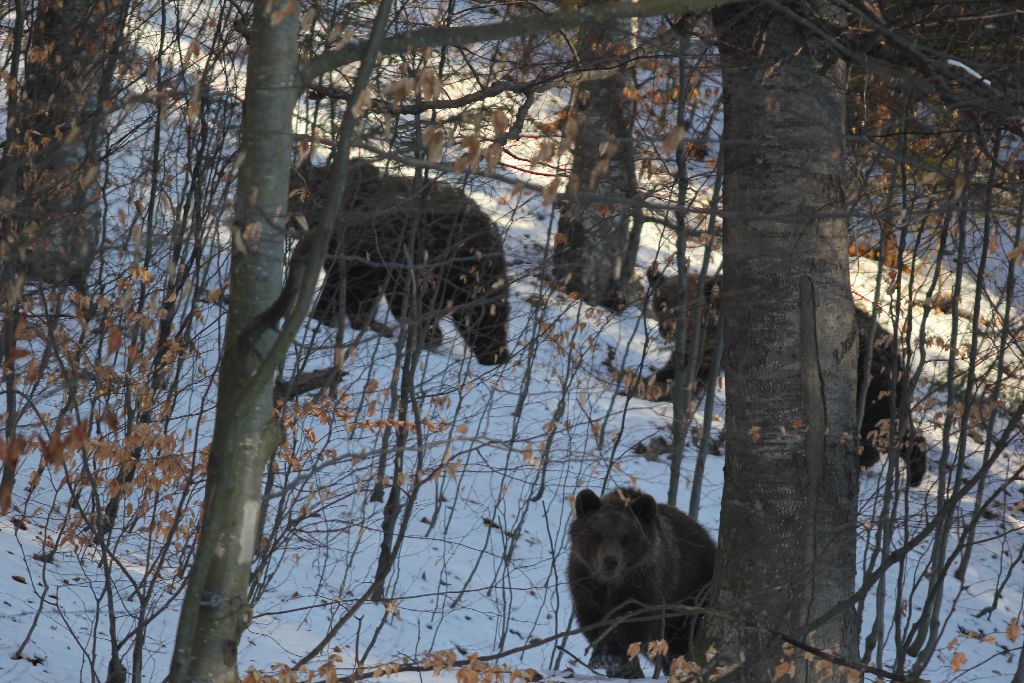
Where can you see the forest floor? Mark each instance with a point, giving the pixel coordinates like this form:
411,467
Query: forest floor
482,567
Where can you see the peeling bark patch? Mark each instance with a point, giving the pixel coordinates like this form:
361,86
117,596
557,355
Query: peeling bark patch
247,534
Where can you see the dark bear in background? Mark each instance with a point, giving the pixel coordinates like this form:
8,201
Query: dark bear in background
628,552
883,392
702,307
428,248
881,353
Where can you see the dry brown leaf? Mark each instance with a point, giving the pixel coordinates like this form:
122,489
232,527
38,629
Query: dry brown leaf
433,141
551,192
783,669
429,83
113,339
399,89
672,141
1013,630
545,151
499,121
362,103
493,157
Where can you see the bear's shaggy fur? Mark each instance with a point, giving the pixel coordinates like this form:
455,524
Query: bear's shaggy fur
702,305
881,353
428,248
628,552
884,395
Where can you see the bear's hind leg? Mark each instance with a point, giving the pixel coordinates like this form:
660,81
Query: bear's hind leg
363,286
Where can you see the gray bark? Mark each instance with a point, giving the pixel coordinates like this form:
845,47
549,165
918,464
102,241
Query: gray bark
788,523
597,245
215,609
56,133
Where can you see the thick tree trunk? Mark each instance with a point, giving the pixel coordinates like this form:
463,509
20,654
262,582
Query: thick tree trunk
215,610
788,524
56,134
598,238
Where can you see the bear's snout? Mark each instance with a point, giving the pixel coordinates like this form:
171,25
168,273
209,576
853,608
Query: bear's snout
609,562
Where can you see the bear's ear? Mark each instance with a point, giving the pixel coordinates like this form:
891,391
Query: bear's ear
644,507
586,502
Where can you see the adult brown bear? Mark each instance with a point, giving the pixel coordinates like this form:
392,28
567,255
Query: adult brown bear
880,353
628,553
428,248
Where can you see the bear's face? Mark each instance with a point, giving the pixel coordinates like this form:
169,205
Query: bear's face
611,537
667,294
485,329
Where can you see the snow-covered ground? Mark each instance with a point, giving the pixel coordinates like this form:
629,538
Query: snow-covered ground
481,566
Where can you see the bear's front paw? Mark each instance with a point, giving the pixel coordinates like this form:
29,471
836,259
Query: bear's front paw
381,329
617,666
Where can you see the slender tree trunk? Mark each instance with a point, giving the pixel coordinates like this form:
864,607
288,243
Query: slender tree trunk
215,610
788,525
598,238
56,135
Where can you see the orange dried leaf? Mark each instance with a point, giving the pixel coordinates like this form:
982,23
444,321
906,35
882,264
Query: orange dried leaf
433,141
328,672
362,103
114,339
429,83
399,89
10,451
656,648
784,669
493,157
545,152
551,193
195,100
1013,630
672,141
499,121
466,675
53,449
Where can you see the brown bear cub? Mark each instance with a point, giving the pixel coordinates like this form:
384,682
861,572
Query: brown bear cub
701,319
883,398
428,248
628,554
